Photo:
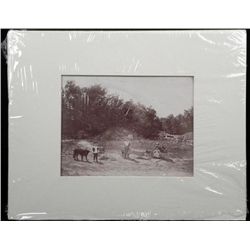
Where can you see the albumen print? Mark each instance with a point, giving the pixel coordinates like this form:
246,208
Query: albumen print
127,126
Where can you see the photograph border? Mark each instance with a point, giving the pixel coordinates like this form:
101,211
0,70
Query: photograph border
119,75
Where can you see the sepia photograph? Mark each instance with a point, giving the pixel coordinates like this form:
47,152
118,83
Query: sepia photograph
127,126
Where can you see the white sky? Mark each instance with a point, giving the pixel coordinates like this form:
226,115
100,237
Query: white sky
167,95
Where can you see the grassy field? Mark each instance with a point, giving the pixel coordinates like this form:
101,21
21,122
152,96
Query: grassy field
175,160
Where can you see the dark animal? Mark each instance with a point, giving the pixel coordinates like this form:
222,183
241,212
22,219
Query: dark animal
81,152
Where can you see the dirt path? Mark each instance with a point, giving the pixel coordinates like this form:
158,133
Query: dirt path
112,164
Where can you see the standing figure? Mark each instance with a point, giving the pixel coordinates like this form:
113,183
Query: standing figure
126,149
95,153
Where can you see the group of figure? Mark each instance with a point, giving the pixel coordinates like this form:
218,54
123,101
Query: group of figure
125,151
85,152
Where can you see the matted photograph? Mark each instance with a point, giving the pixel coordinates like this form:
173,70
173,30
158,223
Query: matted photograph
127,126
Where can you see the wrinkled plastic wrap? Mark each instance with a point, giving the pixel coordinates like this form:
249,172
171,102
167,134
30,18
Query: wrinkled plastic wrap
217,62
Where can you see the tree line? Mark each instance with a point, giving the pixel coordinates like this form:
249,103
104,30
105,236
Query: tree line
90,111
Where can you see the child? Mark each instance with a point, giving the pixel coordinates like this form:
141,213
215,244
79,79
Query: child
95,153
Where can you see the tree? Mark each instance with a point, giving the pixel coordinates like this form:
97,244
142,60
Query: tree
179,124
90,111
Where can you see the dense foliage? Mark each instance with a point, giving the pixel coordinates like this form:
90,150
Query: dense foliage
87,112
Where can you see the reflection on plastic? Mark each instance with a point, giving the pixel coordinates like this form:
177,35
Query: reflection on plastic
23,81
